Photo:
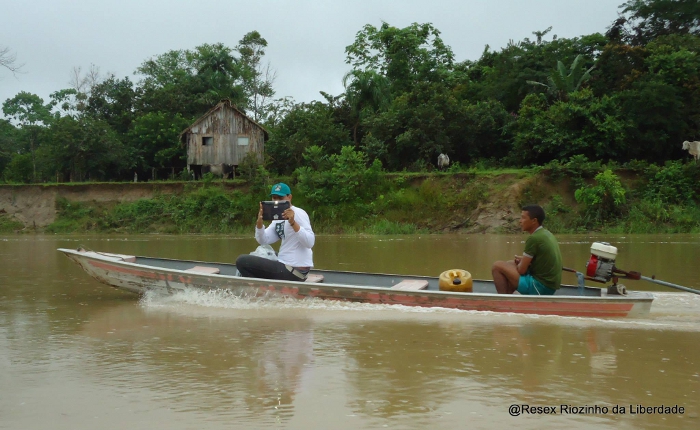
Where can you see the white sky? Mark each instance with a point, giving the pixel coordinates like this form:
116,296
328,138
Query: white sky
306,39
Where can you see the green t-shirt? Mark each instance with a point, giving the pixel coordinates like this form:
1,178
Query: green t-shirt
546,264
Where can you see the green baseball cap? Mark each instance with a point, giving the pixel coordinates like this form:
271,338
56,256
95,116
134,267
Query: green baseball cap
280,189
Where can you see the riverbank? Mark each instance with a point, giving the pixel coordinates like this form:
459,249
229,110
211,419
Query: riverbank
406,203
412,203
37,206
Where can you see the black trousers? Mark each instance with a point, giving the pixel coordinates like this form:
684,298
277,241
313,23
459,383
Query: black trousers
252,266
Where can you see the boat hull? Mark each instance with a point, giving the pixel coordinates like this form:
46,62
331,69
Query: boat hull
140,278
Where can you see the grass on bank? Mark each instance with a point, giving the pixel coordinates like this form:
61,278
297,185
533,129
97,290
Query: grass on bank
657,199
403,208
9,224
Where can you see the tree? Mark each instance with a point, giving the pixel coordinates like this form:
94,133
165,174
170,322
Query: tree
659,117
84,149
216,73
403,55
83,83
257,78
19,169
29,110
277,110
305,124
154,136
190,82
9,142
8,60
113,100
649,19
658,88
503,75
66,101
483,132
585,124
618,66
417,125
561,82
366,92
541,34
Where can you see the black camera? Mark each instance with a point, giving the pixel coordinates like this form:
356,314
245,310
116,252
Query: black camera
273,209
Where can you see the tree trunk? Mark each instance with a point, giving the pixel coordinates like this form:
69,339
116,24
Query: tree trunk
31,146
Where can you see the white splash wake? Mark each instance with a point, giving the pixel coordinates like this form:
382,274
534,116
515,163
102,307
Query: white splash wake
670,311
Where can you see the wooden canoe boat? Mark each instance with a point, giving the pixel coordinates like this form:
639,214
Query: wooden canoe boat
141,274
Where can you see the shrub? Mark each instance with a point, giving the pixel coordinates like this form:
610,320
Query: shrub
431,193
674,183
576,169
9,224
347,180
604,200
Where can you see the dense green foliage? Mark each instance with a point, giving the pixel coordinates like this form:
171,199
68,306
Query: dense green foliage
603,200
578,196
340,178
654,199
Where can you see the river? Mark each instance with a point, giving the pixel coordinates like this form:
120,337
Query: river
75,354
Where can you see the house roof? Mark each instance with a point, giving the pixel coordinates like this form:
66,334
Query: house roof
221,104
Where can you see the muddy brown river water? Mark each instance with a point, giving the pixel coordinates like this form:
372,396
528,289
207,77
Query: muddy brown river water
75,354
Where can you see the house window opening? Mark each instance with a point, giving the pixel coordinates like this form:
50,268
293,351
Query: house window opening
207,140
243,141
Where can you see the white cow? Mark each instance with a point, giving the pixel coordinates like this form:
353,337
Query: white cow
443,161
693,148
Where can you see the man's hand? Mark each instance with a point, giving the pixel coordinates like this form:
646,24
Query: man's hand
288,214
259,224
522,263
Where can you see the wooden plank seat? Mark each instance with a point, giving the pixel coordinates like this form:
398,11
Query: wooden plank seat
314,278
411,285
122,257
204,269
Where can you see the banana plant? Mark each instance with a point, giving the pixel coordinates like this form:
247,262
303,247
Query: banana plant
563,82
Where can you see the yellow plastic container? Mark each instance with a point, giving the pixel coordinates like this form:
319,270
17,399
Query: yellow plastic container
456,280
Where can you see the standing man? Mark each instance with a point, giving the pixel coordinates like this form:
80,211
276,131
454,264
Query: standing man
295,257
538,271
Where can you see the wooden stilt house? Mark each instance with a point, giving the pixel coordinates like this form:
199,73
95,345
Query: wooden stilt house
220,139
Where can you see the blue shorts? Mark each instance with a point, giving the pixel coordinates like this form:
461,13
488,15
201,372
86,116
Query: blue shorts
531,286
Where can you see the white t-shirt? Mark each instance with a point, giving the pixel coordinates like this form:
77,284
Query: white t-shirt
296,245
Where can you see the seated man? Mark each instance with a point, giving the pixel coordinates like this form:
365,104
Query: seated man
295,257
538,271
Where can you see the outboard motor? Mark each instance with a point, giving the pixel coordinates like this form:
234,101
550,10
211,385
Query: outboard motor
602,262
601,268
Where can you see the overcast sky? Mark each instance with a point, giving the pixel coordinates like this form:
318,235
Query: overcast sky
306,39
